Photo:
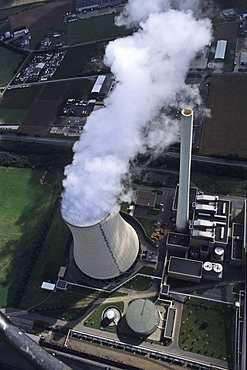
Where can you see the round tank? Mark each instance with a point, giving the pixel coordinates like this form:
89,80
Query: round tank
110,315
107,249
217,267
207,266
142,317
219,251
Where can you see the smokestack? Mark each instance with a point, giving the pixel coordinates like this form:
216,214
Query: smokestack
184,170
105,250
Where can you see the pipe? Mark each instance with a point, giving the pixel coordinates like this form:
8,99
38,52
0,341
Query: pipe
27,348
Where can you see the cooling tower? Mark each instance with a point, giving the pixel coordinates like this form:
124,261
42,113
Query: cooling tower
184,170
107,249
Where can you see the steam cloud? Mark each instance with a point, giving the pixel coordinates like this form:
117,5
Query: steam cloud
150,67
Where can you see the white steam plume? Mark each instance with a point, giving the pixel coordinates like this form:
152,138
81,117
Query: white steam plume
150,67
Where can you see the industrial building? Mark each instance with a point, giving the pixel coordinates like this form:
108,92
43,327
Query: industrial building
220,50
204,232
84,5
105,250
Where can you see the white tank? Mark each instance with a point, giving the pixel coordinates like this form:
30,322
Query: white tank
219,251
184,170
107,249
110,315
207,266
217,267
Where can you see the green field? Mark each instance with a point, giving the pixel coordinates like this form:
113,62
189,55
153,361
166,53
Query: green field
220,184
25,204
228,64
74,61
207,328
93,29
11,116
9,62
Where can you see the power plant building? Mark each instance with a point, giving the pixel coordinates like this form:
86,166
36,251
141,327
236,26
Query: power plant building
105,250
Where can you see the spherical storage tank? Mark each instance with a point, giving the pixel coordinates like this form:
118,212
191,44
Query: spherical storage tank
142,317
107,249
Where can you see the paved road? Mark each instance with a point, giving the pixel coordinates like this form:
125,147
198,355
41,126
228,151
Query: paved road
66,142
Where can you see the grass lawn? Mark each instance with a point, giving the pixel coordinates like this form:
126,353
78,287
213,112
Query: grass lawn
25,204
9,62
140,283
220,184
148,225
94,320
11,116
92,29
52,257
228,64
207,328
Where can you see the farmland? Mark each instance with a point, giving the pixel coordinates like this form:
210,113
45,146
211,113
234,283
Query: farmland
42,17
93,29
43,102
225,132
9,62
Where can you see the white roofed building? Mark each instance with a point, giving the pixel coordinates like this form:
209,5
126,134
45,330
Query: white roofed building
220,49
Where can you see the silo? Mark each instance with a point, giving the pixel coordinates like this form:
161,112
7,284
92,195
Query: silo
107,249
142,317
184,170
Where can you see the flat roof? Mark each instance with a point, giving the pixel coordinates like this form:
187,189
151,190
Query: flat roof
98,84
48,286
176,239
170,319
220,49
212,222
185,266
146,198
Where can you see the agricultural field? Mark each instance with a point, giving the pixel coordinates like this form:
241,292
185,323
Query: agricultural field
75,60
11,116
42,17
93,29
43,103
25,205
9,63
207,328
225,132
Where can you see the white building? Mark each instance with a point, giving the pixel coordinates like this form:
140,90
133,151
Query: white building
220,49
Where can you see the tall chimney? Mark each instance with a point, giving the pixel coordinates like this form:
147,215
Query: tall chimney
184,170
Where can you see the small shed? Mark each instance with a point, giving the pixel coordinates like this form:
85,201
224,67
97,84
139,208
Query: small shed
48,286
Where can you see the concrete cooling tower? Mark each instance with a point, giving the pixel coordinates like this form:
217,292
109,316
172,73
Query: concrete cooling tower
107,249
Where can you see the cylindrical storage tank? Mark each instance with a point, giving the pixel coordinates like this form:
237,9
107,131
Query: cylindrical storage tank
207,266
142,317
217,267
107,249
184,170
219,251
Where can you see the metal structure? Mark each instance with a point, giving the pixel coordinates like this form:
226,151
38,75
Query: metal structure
184,170
107,249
